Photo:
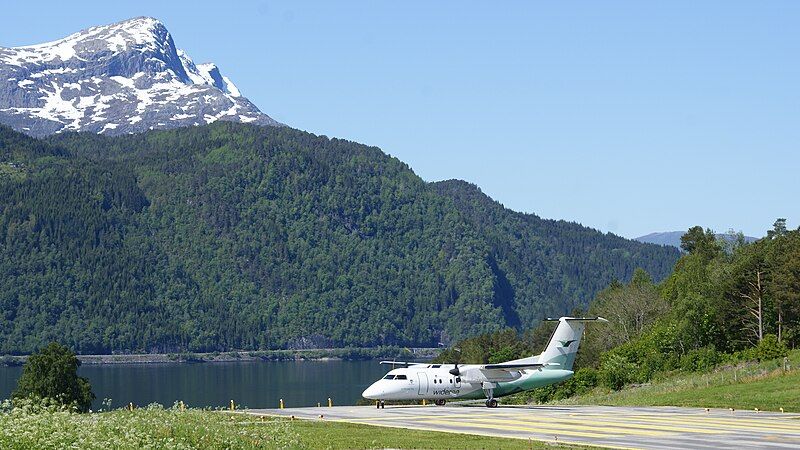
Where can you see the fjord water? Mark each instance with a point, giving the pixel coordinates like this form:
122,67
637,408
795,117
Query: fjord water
251,384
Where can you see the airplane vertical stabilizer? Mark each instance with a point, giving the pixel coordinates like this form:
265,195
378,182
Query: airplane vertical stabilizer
563,345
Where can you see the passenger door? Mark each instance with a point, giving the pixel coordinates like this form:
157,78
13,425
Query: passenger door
423,383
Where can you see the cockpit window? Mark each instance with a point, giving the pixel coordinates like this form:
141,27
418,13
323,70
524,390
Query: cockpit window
389,377
401,377
436,366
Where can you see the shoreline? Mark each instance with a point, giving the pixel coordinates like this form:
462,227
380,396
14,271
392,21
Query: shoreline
325,354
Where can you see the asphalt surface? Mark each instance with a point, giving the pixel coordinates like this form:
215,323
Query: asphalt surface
605,426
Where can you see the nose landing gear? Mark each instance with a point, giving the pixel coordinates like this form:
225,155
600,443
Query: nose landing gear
380,404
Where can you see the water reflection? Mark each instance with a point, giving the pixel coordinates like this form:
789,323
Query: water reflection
252,384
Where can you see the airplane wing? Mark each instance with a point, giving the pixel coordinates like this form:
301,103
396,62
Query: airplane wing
515,366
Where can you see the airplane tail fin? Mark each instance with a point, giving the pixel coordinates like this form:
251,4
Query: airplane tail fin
563,345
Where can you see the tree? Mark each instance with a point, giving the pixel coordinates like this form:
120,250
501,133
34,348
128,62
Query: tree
695,240
630,309
778,228
53,373
784,284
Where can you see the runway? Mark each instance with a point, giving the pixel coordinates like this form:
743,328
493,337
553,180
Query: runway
605,426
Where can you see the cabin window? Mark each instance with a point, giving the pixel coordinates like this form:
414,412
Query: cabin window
401,377
388,377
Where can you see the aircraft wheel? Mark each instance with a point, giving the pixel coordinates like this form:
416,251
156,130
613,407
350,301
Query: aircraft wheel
440,402
383,404
491,403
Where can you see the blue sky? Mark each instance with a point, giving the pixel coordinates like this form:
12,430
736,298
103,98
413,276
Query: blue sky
628,117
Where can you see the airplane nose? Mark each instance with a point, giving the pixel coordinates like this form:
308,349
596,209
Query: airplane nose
373,392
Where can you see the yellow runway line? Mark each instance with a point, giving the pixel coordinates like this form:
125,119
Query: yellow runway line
452,431
535,426
550,419
740,425
778,422
431,416
704,425
554,432
620,424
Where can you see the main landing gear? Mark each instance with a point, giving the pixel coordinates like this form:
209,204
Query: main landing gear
488,389
440,402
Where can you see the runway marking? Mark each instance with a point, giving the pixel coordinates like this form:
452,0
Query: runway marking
714,423
489,433
682,423
695,424
536,427
778,423
601,426
549,420
414,417
662,425
737,424
619,424
554,431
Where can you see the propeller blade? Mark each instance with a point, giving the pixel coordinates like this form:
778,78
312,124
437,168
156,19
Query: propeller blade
455,371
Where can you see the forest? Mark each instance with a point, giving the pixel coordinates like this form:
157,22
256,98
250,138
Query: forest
238,237
726,301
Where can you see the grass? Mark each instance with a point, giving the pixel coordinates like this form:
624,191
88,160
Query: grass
33,425
766,386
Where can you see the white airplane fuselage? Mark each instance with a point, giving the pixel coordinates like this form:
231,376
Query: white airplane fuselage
434,381
441,382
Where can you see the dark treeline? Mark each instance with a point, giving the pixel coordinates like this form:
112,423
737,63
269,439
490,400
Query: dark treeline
240,237
725,301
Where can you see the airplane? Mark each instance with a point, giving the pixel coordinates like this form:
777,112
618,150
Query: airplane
442,382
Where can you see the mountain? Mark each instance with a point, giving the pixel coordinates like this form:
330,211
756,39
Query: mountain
123,78
234,236
673,238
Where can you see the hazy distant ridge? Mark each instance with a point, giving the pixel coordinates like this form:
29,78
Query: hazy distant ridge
673,238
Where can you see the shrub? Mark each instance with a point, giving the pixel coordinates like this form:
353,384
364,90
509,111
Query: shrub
770,348
52,373
700,359
616,371
583,381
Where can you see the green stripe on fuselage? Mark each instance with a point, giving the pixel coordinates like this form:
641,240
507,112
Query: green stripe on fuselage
531,380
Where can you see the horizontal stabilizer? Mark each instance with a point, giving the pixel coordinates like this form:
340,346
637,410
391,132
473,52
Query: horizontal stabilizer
576,319
400,363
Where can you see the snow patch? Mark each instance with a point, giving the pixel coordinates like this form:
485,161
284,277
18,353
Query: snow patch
231,88
108,126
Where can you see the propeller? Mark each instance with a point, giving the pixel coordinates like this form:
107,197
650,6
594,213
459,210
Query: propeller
455,371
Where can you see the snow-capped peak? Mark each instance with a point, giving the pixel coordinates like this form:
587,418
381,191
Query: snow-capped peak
120,78
207,73
143,33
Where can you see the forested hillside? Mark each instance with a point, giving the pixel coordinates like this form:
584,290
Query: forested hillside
541,262
232,236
